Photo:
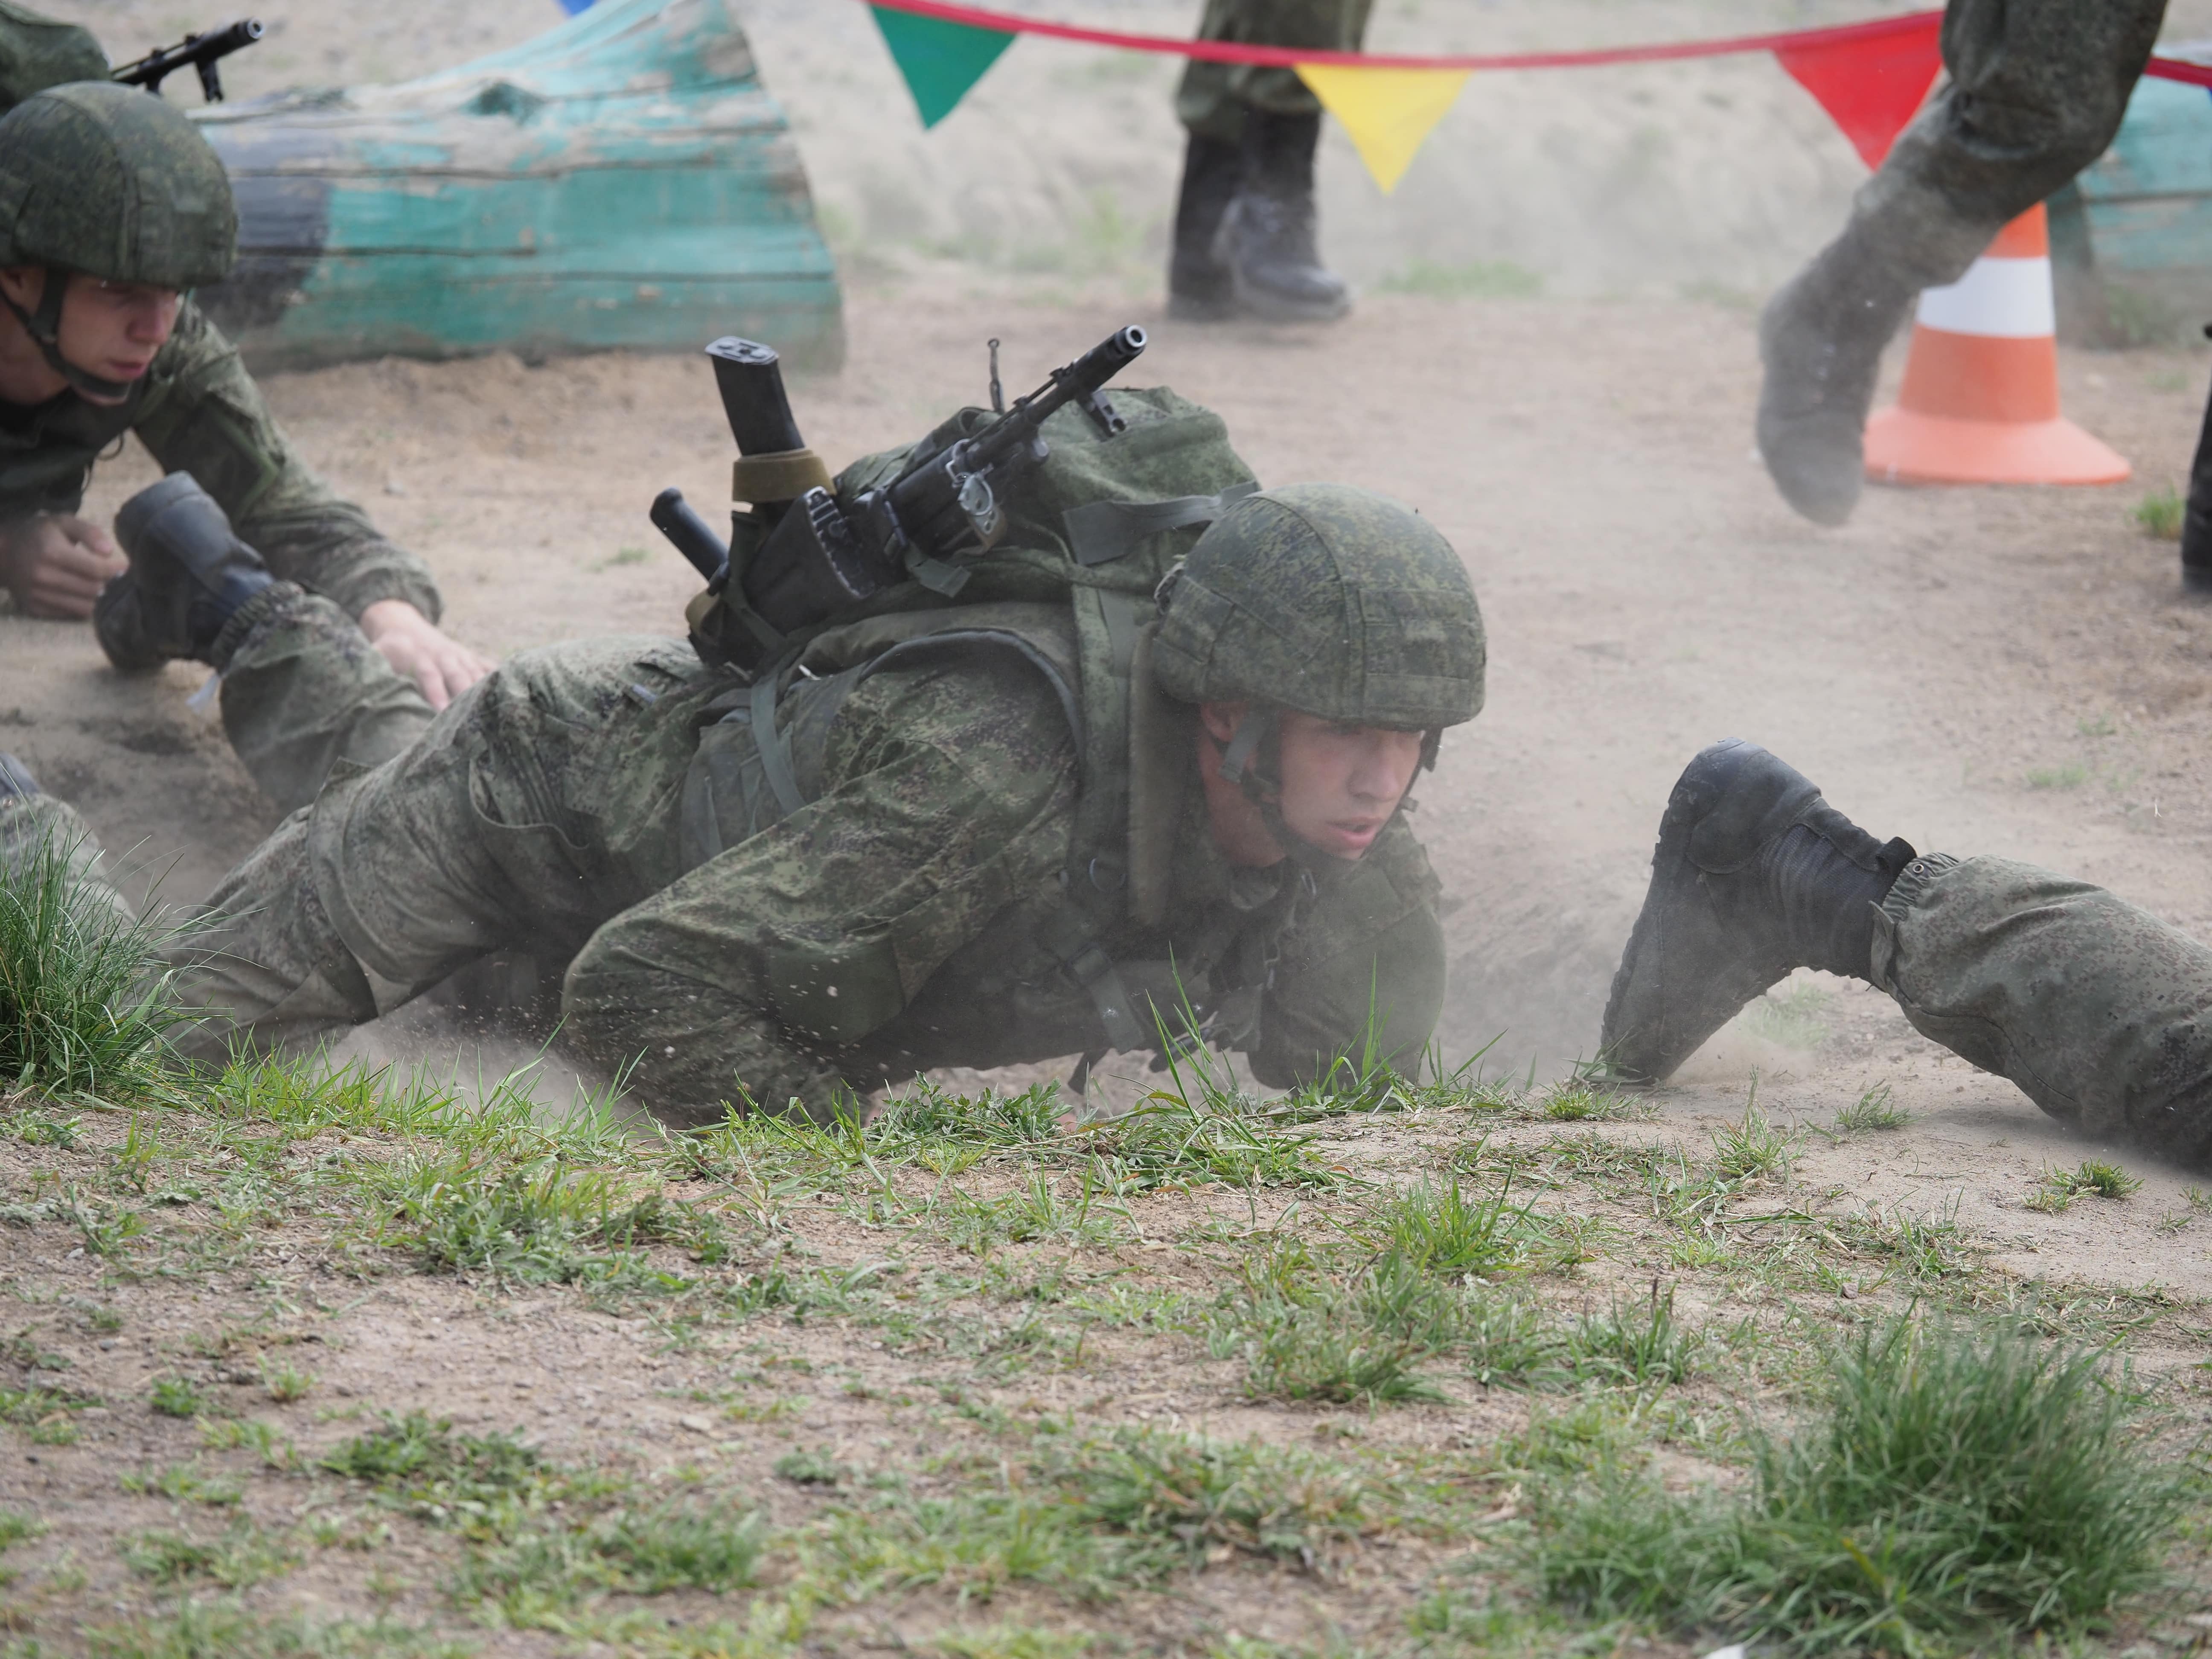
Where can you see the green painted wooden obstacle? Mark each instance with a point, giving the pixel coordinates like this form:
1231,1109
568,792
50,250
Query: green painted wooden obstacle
622,182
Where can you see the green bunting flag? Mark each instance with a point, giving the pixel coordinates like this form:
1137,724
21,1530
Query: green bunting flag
940,60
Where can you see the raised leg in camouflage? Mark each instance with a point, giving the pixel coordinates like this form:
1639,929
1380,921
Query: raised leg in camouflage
2037,91
2100,1012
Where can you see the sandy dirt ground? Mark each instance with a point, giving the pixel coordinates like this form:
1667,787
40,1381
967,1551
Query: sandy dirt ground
2009,671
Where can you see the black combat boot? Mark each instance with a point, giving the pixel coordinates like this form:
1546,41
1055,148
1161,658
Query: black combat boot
1267,235
189,576
1754,875
1821,340
1198,285
2196,517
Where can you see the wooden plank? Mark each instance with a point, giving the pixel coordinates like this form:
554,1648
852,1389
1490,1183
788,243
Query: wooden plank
623,180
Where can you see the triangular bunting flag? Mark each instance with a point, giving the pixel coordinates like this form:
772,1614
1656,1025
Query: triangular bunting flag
1386,112
1871,88
940,60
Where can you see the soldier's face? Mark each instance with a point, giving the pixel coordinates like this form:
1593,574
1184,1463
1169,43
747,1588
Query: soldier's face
1341,783
113,329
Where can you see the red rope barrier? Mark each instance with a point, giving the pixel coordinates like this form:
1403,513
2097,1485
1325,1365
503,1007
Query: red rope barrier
1229,52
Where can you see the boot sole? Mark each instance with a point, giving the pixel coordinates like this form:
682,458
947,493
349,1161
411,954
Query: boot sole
1273,308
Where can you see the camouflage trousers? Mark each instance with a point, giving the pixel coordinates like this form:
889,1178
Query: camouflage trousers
2037,91
2100,1012
397,875
1213,97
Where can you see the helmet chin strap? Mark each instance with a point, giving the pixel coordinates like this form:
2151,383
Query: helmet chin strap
43,326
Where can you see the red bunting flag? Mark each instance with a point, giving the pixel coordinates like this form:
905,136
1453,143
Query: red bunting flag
1872,86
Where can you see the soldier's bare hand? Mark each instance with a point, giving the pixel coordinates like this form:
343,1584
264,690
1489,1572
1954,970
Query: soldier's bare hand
412,644
56,563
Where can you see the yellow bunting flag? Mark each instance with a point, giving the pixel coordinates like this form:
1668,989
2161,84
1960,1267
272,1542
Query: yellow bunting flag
1386,113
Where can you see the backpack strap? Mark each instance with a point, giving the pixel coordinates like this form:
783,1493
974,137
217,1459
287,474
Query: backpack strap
1100,533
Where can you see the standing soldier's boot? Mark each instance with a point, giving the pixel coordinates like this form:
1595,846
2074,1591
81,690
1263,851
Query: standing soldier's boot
1267,236
2196,520
190,577
1820,341
1198,284
1754,875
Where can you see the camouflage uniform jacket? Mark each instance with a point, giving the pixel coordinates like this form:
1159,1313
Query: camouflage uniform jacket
912,914
198,411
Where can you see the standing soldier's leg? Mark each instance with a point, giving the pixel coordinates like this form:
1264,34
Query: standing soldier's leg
1245,226
2037,91
2100,1013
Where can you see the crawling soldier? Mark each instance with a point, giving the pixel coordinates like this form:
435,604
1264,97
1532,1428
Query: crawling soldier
112,207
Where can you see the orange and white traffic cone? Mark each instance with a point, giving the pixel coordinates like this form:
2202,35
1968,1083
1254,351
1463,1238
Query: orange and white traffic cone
1980,399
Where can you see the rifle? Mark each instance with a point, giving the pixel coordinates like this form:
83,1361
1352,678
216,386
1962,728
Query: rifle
202,52
799,557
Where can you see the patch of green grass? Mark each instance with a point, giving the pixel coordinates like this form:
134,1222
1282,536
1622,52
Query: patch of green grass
1791,1020
285,1382
2059,1188
2072,775
44,1414
549,1223
1581,1100
1035,1210
1926,1248
1875,1109
1013,1641
1956,1488
249,1434
811,1469
1642,1343
2160,515
221,1629
1321,1349
1753,1147
925,1113
1182,1499
182,1483
83,990
177,1396
419,1463
641,1552
1444,1229
244,1555
1481,279
1304,1336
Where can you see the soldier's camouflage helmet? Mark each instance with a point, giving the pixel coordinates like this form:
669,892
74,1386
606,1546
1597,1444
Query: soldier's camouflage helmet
110,181
1328,599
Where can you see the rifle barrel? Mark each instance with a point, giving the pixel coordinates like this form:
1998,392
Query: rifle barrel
1076,380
